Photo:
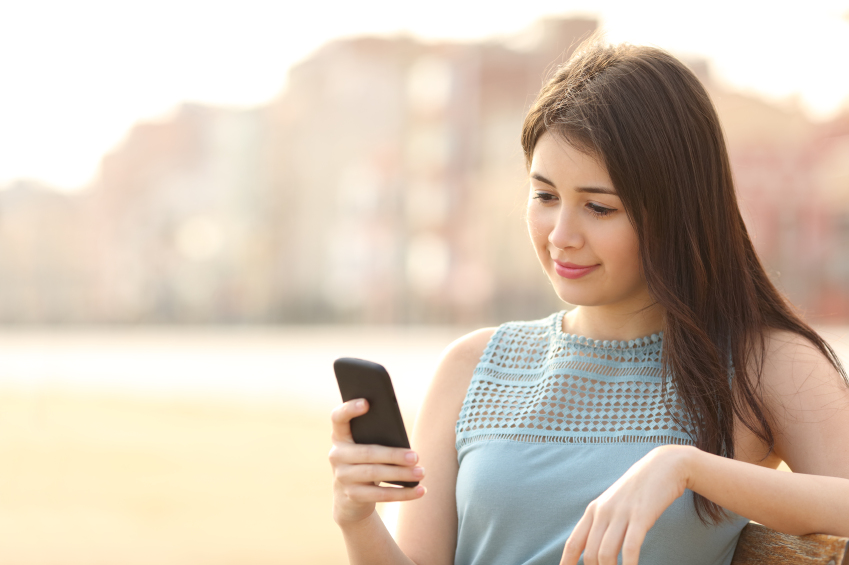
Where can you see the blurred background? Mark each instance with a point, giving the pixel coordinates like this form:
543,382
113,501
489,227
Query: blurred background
203,204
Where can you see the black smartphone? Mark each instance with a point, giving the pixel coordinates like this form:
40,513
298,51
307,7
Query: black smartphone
382,424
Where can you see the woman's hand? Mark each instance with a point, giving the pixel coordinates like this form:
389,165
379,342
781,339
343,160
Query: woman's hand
620,518
359,469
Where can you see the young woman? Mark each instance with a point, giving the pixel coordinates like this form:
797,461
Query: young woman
645,424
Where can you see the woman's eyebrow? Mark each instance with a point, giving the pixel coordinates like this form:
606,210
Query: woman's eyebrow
596,190
540,178
590,189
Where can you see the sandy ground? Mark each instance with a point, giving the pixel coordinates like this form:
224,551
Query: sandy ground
96,480
131,478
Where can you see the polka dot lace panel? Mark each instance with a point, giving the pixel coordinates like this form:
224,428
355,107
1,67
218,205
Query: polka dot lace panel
535,383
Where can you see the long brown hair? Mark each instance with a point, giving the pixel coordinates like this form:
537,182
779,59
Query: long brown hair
649,120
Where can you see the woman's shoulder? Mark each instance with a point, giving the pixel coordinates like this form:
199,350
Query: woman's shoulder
444,399
798,378
791,359
808,400
466,352
460,358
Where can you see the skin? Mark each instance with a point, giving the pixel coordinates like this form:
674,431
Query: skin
570,220
808,403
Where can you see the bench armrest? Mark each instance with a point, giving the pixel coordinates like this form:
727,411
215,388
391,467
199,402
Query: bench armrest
758,545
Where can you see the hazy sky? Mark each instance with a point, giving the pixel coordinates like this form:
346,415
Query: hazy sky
75,75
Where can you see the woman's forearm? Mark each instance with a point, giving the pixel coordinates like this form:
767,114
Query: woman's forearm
369,543
791,503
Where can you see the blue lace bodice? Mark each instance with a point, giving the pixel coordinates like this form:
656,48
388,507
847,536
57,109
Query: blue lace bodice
550,421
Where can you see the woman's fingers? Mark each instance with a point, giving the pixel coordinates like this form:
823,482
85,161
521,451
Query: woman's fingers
369,493
378,473
618,521
577,540
608,550
358,469
600,541
594,538
355,454
634,538
343,414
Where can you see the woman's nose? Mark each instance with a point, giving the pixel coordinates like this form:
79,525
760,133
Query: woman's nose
567,232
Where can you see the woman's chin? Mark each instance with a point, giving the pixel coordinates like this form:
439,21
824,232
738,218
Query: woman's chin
573,298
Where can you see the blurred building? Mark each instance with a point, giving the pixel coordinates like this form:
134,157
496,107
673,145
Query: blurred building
386,184
401,182
792,179
180,207
45,265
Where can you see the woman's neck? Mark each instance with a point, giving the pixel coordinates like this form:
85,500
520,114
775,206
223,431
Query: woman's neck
604,323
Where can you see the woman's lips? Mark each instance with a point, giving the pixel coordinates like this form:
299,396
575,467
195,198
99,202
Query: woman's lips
573,271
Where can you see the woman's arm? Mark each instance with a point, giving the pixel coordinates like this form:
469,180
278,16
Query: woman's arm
357,472
427,528
791,503
808,404
809,407
427,532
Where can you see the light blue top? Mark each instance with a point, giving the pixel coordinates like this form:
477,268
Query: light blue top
549,422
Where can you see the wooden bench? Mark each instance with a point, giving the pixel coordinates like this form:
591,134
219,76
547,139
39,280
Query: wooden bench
759,545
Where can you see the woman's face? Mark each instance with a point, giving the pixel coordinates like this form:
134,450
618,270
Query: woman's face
582,235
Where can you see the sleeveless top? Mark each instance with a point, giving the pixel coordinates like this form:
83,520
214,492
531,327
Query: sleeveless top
549,422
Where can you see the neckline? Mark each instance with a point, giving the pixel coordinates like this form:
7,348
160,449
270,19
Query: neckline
655,339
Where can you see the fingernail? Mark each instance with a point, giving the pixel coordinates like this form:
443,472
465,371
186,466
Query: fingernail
361,404
420,490
418,472
411,457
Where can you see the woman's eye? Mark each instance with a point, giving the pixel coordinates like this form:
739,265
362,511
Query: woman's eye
599,211
543,196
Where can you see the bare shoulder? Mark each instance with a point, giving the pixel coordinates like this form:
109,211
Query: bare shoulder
454,372
441,405
469,348
452,377
809,403
793,365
